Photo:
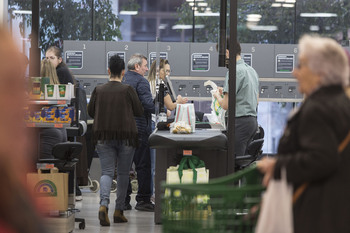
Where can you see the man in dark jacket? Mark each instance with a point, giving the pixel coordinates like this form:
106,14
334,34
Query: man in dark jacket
137,68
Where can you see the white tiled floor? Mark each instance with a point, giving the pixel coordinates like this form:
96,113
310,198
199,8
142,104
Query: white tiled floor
139,222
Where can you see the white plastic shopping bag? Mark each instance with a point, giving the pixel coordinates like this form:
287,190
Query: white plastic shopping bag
276,215
186,115
217,112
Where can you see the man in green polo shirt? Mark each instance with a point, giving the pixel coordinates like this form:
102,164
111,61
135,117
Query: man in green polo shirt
247,89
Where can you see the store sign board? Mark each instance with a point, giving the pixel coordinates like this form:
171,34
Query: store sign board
74,59
284,63
200,62
247,58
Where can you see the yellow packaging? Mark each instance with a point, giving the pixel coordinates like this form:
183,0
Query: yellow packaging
37,117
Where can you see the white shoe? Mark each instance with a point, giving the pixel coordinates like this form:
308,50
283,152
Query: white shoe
79,198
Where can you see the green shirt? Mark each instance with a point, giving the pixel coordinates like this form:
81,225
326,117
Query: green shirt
247,89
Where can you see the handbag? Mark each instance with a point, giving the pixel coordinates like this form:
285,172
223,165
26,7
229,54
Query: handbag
276,214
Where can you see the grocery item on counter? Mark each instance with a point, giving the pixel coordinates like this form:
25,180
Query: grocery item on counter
180,127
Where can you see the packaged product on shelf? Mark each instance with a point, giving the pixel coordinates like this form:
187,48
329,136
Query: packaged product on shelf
64,92
28,116
65,114
49,114
37,116
51,91
35,88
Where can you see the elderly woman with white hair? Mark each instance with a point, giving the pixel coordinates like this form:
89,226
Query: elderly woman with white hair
310,150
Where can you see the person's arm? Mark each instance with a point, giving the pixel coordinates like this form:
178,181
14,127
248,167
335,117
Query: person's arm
169,104
223,101
91,106
144,92
135,102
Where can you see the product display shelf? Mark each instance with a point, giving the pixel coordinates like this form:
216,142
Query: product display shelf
47,125
49,102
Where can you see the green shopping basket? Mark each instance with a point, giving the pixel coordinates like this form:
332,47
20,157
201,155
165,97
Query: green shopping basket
223,205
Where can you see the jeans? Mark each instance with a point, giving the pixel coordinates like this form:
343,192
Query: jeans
111,152
142,161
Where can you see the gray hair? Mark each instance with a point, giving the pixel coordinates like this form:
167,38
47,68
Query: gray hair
326,58
135,59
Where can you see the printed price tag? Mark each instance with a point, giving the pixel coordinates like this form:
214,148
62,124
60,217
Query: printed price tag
30,124
187,152
58,125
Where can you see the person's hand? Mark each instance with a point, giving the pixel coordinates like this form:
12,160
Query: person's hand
267,166
181,100
168,113
217,94
221,90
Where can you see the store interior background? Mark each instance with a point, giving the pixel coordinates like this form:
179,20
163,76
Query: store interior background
263,22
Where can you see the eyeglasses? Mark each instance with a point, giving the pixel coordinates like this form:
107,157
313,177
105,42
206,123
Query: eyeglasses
167,71
51,58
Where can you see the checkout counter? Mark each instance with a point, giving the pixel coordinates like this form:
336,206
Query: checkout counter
210,145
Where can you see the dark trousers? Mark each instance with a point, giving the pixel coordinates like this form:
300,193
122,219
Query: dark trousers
245,129
142,161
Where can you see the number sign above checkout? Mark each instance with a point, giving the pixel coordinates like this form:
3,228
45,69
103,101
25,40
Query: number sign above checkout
186,59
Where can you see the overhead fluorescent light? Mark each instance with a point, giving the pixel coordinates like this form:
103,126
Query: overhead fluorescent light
191,3
262,27
314,28
280,1
163,26
22,12
208,14
290,1
193,0
324,15
128,12
202,4
186,26
287,5
275,4
253,17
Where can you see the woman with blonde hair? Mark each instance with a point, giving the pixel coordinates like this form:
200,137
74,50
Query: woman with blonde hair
48,70
163,71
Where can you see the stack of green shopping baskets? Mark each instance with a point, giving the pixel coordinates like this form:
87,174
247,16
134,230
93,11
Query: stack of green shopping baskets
226,204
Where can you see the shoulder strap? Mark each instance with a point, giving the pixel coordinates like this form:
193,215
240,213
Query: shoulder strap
302,187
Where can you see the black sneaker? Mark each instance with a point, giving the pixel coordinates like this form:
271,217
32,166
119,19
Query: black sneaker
127,206
145,206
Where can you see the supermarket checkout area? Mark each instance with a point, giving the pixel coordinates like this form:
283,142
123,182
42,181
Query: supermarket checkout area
192,64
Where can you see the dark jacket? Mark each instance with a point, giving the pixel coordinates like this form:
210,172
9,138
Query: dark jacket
64,75
142,87
308,151
113,106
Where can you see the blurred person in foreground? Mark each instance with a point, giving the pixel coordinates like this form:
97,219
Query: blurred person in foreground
308,150
17,211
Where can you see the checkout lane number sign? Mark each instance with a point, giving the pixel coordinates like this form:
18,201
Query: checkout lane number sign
74,59
200,62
